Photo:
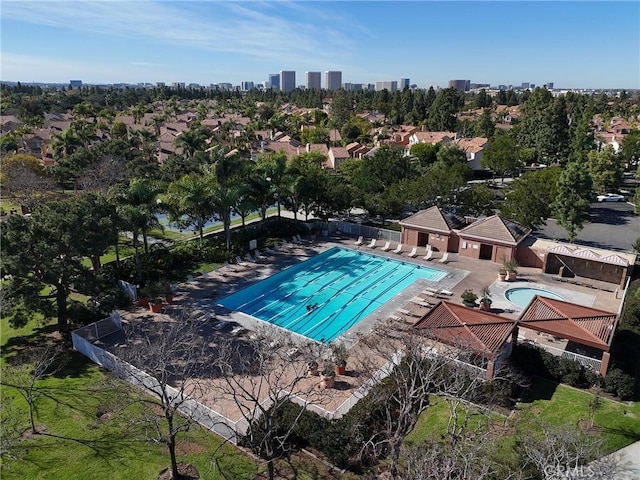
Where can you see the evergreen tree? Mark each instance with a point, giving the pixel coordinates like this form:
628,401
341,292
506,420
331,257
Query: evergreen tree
573,197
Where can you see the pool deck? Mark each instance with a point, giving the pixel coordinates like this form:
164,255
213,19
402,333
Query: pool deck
204,292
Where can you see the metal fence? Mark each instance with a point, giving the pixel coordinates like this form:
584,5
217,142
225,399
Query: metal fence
588,362
365,231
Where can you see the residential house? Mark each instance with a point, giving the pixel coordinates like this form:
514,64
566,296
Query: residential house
336,156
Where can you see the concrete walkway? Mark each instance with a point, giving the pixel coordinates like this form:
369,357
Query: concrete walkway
629,458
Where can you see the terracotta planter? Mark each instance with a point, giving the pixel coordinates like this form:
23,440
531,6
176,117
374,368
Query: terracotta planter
327,381
168,298
155,307
486,306
340,369
502,277
511,276
143,301
312,372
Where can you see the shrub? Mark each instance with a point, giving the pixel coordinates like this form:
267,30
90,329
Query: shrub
619,384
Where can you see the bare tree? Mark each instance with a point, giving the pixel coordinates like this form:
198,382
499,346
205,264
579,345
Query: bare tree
25,186
102,175
25,378
262,377
414,371
170,360
10,429
566,452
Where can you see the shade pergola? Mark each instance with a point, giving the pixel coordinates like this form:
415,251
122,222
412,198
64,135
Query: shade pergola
583,325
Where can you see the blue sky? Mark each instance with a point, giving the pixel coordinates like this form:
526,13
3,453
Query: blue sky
573,44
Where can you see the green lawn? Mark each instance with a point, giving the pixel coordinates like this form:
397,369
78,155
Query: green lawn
106,449
558,404
548,402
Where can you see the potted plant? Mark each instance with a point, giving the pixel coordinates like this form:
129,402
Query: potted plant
143,297
155,305
469,298
312,368
502,274
168,292
511,266
340,356
485,298
327,377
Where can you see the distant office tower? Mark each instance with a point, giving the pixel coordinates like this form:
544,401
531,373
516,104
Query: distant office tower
314,80
246,86
549,85
524,85
287,80
75,83
274,81
333,80
460,85
225,86
404,82
532,86
390,86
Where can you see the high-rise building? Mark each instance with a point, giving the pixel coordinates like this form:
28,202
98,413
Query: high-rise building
246,86
287,80
460,85
333,80
391,86
524,85
549,85
404,82
75,83
314,80
274,81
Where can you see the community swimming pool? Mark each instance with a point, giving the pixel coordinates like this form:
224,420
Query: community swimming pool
522,296
323,297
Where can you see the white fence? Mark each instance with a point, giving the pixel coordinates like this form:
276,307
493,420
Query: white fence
357,230
592,363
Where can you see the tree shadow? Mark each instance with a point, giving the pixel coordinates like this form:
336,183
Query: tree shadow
607,216
540,389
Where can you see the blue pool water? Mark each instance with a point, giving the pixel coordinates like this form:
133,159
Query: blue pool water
522,296
323,297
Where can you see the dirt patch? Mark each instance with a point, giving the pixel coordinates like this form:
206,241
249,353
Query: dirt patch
185,470
28,434
189,448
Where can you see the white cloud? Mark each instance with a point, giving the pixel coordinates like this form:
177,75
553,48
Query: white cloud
246,28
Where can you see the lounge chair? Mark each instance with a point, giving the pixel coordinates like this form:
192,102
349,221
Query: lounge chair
190,278
300,239
398,248
360,240
270,251
228,266
373,243
408,313
429,255
387,246
259,254
249,257
422,302
414,252
239,261
445,258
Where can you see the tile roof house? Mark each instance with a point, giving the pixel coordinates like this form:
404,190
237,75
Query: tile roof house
473,148
588,331
490,238
431,137
336,156
486,337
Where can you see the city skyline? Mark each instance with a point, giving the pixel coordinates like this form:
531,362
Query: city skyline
205,42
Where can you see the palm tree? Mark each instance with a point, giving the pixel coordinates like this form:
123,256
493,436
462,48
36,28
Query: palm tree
65,143
192,200
191,141
142,195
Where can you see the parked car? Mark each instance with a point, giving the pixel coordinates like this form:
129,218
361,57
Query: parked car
611,197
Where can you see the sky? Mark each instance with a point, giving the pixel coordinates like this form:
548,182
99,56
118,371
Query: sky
574,44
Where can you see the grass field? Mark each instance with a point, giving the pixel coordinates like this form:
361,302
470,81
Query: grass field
617,423
76,444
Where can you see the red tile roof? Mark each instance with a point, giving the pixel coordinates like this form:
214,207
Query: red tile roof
434,219
584,325
466,328
497,229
